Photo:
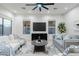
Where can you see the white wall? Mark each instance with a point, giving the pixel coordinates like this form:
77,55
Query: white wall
18,24
44,18
70,19
17,20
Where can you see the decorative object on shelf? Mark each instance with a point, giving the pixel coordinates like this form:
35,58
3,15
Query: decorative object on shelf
51,27
51,23
26,27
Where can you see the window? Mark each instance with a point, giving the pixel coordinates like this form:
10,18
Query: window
5,26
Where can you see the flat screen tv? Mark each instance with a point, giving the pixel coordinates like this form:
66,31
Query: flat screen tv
39,26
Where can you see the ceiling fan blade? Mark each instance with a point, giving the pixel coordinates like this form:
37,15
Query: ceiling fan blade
40,8
34,8
45,7
48,3
30,4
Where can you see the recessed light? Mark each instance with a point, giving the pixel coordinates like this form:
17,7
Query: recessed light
65,8
39,5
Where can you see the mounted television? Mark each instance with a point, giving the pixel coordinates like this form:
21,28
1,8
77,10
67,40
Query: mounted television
39,26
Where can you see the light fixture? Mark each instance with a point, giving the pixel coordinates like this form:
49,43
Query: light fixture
39,5
65,8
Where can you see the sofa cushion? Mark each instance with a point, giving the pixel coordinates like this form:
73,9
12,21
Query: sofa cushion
11,37
75,36
67,37
71,37
60,36
16,36
74,49
4,39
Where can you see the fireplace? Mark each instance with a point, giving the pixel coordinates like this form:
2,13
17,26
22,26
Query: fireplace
41,36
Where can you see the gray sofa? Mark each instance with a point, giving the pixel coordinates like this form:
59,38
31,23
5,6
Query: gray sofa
66,42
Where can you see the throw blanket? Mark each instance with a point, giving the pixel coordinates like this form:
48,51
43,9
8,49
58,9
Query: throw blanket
4,49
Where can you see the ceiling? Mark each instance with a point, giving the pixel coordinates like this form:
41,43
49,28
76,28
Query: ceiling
22,9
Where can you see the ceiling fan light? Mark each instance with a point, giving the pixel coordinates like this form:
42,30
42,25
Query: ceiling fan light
39,5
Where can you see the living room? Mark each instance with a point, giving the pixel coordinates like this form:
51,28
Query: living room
22,19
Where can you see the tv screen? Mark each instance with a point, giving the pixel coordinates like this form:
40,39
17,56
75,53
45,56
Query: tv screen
39,26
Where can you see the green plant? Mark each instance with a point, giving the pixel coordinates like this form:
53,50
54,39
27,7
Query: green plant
61,27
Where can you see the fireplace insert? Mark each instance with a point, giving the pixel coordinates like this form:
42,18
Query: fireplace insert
39,36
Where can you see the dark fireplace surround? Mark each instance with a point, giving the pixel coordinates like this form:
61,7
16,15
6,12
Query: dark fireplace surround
39,27
39,36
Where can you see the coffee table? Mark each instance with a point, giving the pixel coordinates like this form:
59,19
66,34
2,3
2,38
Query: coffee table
39,46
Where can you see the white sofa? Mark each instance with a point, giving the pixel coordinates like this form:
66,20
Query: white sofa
10,43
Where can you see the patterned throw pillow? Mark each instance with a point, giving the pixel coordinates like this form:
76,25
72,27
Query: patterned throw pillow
58,37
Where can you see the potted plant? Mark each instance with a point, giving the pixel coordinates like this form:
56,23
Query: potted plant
62,28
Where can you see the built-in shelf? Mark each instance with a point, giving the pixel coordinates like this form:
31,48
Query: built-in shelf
26,27
51,27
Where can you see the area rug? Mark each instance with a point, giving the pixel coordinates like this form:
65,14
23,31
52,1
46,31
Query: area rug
27,50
